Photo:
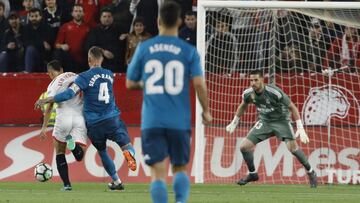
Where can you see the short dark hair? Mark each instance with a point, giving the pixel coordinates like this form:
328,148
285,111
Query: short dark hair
96,52
139,20
106,10
55,65
257,72
77,5
190,13
34,10
170,12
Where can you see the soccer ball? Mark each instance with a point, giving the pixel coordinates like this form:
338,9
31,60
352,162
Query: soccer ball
43,172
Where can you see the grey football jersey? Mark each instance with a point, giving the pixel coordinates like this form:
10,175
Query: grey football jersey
272,104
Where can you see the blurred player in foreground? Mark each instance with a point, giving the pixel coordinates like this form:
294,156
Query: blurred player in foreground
69,129
164,66
273,107
101,113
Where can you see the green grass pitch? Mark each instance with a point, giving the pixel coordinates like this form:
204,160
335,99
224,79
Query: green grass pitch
139,193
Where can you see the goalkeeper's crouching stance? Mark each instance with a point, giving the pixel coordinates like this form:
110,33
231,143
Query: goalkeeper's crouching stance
273,107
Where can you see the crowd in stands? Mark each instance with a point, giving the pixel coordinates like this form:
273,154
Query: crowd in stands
33,32
292,42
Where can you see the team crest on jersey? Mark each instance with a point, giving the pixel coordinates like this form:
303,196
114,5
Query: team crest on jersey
324,104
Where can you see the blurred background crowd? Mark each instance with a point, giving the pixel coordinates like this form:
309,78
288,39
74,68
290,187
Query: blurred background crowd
34,32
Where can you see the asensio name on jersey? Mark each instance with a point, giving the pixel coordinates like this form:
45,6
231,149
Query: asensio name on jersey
166,64
99,102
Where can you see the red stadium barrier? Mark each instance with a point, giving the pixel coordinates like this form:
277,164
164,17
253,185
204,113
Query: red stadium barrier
20,91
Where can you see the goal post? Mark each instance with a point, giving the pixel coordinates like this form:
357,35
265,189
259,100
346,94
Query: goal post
311,50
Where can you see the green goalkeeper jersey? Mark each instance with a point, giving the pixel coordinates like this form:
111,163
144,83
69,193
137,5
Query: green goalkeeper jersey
272,104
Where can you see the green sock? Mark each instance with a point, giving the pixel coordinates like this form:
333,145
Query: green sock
249,159
299,154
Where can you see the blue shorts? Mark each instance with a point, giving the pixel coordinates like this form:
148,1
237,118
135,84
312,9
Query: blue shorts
158,143
109,129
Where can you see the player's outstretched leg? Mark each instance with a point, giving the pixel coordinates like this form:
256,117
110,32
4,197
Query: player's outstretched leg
129,154
62,168
299,154
249,159
312,179
78,152
252,176
110,169
70,142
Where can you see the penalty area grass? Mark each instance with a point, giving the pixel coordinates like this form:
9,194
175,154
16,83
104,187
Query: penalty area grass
139,193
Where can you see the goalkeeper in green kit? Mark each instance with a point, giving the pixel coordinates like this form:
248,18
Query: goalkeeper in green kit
273,107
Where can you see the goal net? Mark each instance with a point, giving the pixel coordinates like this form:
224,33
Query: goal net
312,53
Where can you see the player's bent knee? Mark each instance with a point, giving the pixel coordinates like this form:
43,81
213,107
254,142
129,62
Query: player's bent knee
246,145
60,148
176,169
292,145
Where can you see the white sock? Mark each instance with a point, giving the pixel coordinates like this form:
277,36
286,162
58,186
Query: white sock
117,182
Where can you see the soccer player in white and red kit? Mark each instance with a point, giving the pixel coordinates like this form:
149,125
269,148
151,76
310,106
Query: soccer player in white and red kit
69,130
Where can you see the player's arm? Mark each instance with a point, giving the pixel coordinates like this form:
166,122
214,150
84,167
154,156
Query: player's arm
46,119
299,126
69,93
200,89
239,112
134,85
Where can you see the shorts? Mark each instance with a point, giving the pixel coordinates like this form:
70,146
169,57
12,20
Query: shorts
158,143
109,129
263,130
70,124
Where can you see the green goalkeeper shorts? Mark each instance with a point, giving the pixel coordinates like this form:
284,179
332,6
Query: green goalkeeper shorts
263,130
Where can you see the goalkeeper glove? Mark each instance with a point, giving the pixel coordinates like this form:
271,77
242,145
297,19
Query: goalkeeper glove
301,132
232,126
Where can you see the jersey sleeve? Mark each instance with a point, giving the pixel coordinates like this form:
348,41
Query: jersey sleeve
134,71
246,96
81,81
285,99
51,91
195,64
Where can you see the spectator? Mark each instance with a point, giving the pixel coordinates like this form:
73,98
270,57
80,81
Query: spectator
24,13
91,11
121,14
12,49
148,9
6,7
138,35
70,41
316,46
188,32
54,17
3,23
221,50
291,60
344,51
36,42
106,36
